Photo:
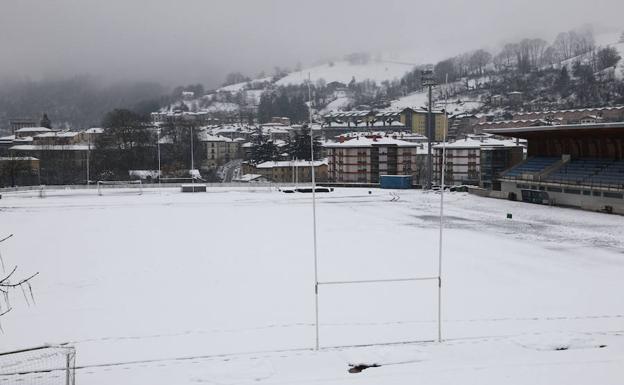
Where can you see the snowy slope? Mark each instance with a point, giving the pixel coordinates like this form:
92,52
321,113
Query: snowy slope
343,72
218,287
337,104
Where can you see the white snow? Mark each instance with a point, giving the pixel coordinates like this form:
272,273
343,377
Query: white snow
217,287
222,107
343,71
337,104
414,100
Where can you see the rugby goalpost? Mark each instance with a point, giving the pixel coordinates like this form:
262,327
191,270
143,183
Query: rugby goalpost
437,278
101,185
48,364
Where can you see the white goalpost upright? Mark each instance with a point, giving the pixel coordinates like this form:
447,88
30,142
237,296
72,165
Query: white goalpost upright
131,184
316,283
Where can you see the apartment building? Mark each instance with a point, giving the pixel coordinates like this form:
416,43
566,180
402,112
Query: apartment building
364,159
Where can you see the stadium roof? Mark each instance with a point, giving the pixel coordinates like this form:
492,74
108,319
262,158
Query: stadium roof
592,128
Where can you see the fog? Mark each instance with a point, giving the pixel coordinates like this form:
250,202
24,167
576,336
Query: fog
186,41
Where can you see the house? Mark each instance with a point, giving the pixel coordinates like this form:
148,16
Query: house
590,119
219,150
497,100
16,171
364,159
284,121
515,97
289,171
31,131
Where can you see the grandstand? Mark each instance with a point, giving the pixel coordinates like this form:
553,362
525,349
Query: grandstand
579,165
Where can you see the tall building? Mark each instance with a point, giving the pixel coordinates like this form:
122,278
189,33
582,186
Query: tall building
476,160
416,120
363,160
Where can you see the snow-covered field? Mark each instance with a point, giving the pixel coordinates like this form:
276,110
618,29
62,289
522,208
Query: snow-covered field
217,287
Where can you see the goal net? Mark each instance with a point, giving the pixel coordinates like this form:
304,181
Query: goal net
39,366
120,186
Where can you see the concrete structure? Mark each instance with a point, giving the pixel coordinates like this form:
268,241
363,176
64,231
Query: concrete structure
363,160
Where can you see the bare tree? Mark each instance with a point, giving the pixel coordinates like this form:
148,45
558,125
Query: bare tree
8,284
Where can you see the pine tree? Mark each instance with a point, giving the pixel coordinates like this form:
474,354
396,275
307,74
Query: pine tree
263,149
562,84
299,146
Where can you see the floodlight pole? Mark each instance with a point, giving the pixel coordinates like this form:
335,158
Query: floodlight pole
88,155
192,158
316,304
158,147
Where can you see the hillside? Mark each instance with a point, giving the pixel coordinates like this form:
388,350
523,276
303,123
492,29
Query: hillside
344,71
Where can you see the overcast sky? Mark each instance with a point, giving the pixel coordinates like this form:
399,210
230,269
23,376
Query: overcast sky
187,41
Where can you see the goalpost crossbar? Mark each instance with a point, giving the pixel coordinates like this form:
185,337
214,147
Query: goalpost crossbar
379,280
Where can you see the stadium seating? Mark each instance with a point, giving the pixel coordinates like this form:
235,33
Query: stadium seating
531,166
577,171
612,174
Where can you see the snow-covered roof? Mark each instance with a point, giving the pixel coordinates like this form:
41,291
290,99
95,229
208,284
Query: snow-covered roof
94,130
369,142
62,134
10,158
291,163
598,109
9,138
248,178
477,143
33,129
206,137
50,147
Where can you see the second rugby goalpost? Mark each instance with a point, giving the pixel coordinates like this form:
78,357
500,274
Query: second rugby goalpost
318,283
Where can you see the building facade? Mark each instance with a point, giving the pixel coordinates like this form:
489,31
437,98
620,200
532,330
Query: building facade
476,160
219,150
416,120
296,171
363,160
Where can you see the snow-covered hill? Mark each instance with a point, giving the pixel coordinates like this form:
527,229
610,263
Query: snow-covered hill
343,71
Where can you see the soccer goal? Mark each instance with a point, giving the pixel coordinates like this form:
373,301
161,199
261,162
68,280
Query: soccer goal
120,186
41,365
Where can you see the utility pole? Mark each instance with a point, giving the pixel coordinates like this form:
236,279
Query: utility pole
88,155
428,81
192,159
158,147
